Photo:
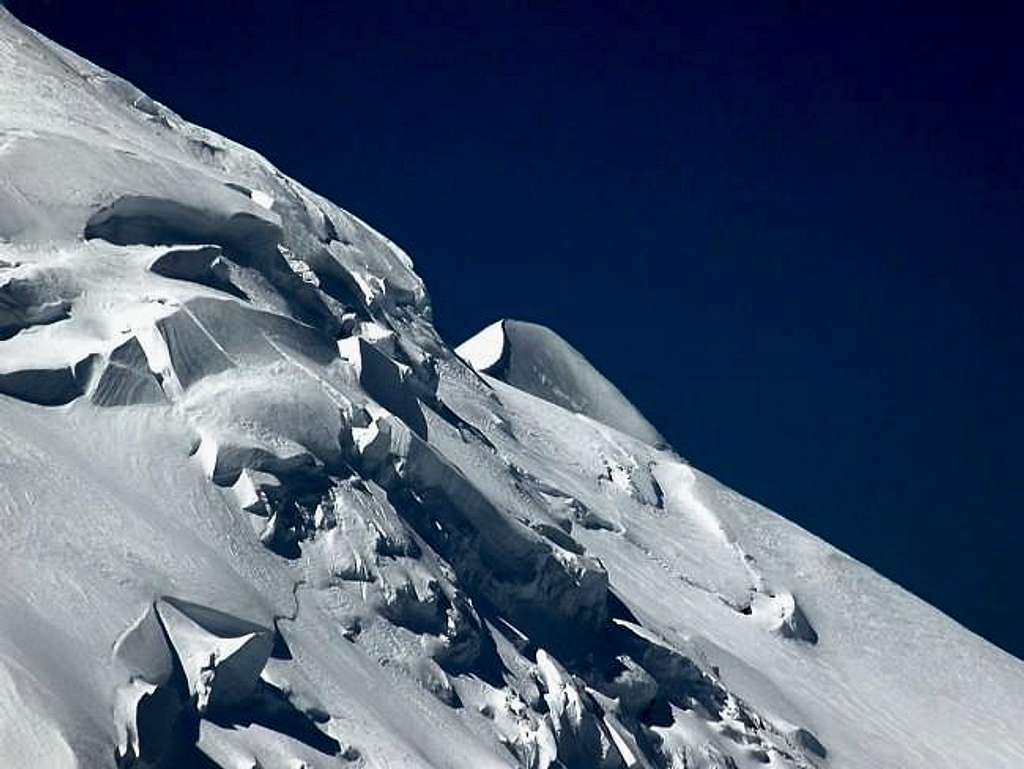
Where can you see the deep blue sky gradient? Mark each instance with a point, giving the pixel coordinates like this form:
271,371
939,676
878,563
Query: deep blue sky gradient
793,238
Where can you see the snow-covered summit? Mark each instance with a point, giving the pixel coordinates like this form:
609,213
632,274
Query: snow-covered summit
256,512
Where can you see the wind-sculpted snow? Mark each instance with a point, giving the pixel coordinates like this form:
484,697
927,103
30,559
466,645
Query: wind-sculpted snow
256,513
538,361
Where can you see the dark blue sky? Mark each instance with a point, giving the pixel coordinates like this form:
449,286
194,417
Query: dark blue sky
793,238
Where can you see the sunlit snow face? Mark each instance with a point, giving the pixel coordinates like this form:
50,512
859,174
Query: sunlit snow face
255,510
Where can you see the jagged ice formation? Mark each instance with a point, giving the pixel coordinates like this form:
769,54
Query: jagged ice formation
255,512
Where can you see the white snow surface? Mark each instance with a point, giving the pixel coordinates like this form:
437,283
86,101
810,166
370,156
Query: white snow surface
255,512
537,360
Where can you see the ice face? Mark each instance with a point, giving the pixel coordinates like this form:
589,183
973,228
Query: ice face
256,512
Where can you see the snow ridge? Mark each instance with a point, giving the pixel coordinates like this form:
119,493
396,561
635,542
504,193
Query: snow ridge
257,513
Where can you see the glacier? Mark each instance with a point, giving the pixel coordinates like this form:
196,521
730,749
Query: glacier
255,512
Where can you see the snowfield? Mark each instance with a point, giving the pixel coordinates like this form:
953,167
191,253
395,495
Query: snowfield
255,512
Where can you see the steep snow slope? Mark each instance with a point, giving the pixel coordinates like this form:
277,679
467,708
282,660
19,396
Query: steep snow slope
255,512
535,359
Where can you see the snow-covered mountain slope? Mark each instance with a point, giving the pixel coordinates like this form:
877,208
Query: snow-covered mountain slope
254,512
538,361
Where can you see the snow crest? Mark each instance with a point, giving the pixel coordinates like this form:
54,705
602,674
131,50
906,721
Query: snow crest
256,512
